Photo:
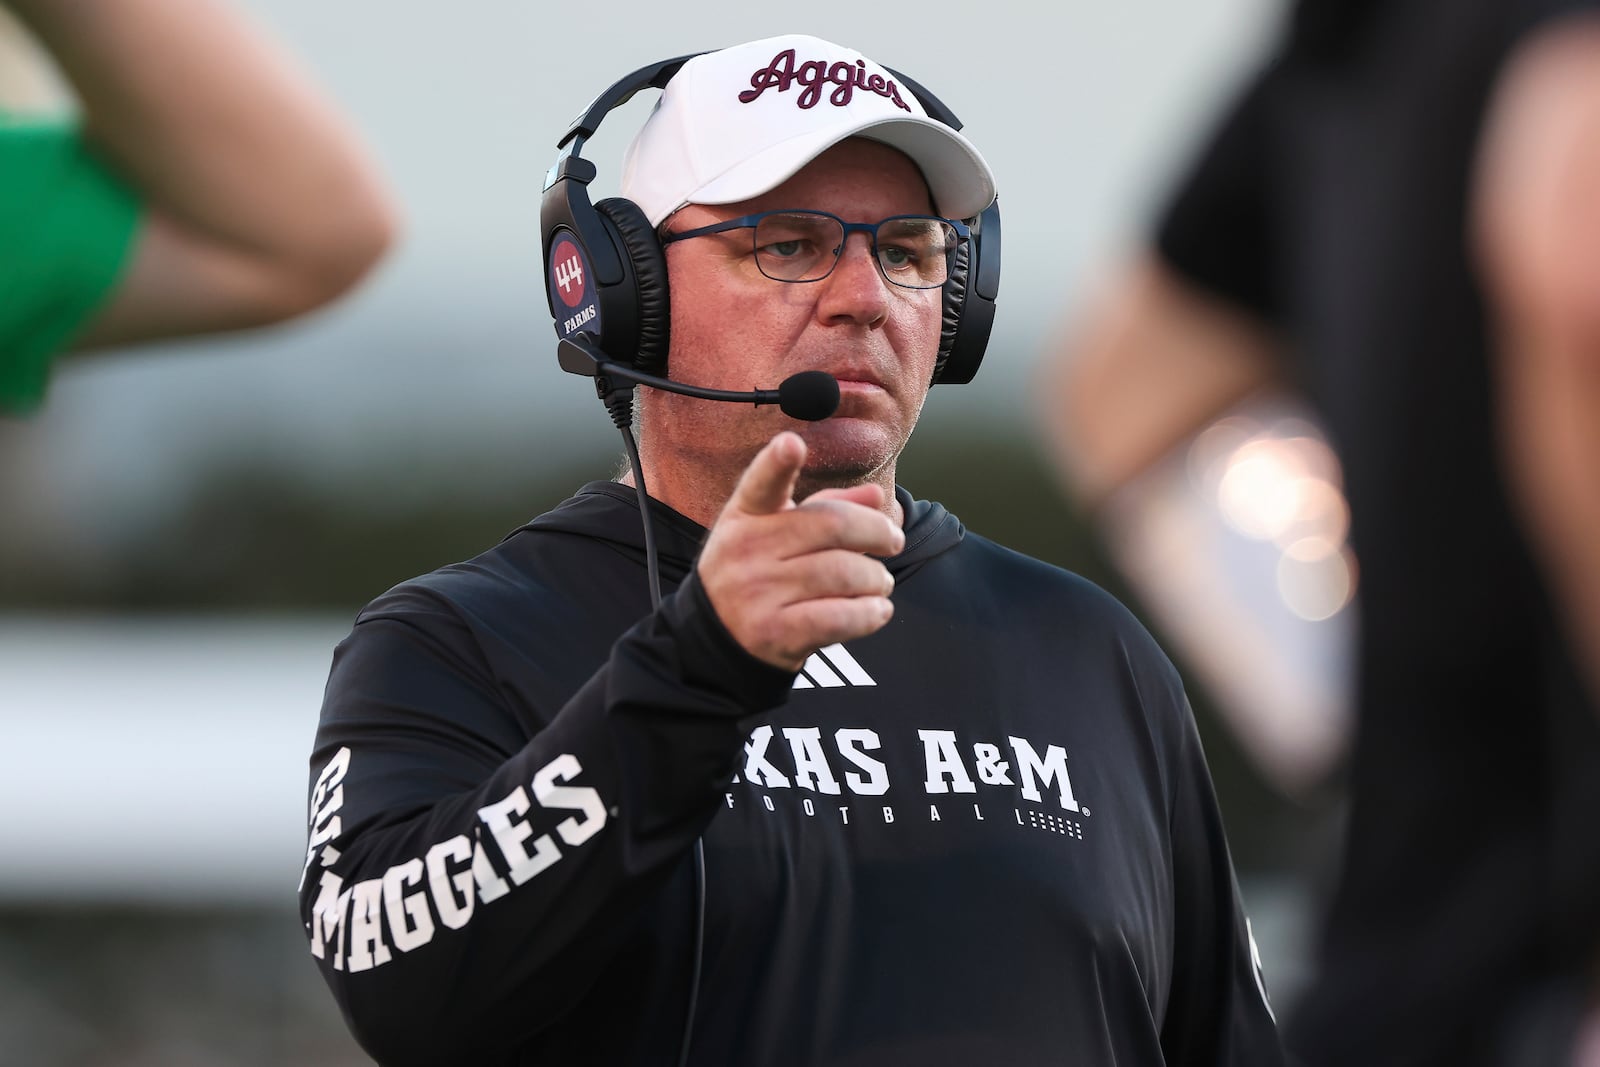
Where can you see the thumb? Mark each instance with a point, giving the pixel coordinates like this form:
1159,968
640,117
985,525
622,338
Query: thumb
767,485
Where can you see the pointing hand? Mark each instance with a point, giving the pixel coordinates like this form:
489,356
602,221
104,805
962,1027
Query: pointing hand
786,578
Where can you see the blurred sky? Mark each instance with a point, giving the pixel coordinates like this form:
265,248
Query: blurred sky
446,356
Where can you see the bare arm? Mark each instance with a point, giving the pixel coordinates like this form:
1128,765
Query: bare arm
1538,229
1153,361
260,205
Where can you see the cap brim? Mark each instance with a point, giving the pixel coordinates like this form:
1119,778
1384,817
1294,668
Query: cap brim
959,179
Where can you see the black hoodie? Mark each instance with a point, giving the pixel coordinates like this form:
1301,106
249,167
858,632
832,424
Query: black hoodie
985,834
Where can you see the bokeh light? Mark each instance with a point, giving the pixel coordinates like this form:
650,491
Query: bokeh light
1282,484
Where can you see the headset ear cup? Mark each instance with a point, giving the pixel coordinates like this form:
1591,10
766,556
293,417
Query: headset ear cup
648,263
955,296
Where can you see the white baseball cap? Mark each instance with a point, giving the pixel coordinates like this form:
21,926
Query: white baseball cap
736,123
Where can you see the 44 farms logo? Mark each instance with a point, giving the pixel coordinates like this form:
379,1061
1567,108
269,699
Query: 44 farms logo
571,289
567,271
852,763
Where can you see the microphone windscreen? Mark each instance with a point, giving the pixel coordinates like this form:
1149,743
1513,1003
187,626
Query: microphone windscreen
811,395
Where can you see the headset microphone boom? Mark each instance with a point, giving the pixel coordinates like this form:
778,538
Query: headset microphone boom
811,395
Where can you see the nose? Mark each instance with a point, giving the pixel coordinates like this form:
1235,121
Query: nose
855,291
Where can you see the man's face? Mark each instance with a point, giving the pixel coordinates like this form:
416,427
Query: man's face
734,328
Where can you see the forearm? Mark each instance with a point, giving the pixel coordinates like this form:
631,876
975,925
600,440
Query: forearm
220,133
1151,364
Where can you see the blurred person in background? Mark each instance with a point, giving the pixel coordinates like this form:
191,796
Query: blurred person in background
1400,218
204,186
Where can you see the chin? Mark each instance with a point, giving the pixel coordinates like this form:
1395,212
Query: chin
843,452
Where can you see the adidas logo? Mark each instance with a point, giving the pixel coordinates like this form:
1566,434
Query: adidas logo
830,668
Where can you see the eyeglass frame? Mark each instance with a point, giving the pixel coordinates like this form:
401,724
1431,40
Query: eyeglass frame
963,233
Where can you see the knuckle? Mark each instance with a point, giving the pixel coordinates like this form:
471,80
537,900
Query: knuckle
849,574
836,572
831,524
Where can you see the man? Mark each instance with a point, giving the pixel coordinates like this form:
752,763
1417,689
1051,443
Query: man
207,188
865,788
1400,215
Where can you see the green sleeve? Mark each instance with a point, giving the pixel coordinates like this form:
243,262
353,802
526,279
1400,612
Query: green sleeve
66,225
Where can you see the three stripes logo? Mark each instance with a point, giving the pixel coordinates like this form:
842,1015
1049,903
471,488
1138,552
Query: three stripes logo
830,668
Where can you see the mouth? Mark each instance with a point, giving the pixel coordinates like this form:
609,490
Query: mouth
858,381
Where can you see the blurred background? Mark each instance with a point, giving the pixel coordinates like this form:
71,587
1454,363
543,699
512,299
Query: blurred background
187,530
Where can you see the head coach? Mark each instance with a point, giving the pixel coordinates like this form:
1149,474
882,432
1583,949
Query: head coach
751,756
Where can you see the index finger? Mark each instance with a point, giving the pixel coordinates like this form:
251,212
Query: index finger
767,485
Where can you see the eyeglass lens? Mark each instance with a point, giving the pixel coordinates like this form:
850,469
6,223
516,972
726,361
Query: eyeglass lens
803,246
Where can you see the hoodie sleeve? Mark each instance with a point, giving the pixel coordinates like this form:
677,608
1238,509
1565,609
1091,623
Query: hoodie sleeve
461,887
1218,1014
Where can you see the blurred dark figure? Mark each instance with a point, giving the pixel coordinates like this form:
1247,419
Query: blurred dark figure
1400,216
207,187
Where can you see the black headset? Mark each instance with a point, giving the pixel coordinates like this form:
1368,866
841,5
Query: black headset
606,271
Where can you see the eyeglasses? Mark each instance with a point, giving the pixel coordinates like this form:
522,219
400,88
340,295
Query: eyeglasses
913,251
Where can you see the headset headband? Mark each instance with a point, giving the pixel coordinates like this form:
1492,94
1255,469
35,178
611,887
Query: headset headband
610,253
